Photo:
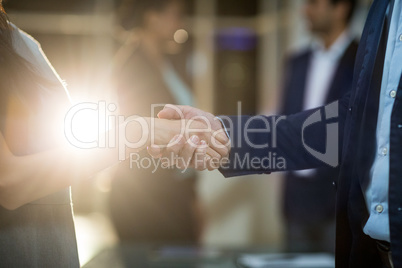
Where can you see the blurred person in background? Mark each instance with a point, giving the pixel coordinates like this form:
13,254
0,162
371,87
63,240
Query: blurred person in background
152,207
316,76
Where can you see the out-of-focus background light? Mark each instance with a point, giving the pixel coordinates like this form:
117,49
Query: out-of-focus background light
181,36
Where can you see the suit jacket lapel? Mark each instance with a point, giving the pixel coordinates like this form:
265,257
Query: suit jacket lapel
343,73
368,48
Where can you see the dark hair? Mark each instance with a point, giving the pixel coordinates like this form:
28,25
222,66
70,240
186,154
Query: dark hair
352,7
132,12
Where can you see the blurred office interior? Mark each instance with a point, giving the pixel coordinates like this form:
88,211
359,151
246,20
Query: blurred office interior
233,52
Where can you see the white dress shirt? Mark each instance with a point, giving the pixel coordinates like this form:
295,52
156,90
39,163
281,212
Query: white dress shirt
323,65
322,68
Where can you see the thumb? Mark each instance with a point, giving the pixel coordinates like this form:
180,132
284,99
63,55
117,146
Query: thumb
171,112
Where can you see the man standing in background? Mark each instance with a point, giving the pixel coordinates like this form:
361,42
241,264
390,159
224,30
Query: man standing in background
318,75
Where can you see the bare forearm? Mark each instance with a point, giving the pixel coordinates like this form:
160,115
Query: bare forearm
28,178
32,177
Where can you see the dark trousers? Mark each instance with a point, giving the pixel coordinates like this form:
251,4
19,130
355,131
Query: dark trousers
384,249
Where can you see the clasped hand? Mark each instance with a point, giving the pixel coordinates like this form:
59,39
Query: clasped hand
203,145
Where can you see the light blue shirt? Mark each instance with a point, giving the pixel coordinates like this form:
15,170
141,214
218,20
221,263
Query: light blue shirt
376,193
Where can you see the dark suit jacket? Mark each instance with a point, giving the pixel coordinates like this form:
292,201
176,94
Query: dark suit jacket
311,199
357,117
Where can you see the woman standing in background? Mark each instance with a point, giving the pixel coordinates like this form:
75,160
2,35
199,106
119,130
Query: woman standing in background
149,207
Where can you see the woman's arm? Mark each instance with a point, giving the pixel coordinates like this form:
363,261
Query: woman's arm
24,179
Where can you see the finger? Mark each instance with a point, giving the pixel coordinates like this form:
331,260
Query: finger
220,132
221,136
173,149
220,142
187,152
217,140
155,151
213,163
200,157
213,154
171,112
215,159
218,150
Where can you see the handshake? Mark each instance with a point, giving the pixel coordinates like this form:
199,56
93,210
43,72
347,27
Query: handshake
201,142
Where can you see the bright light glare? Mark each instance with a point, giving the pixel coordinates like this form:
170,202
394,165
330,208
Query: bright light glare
84,126
181,36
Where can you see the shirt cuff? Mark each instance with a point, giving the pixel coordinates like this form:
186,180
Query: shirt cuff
224,127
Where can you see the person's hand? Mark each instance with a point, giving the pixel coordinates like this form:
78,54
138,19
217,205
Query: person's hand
137,133
200,148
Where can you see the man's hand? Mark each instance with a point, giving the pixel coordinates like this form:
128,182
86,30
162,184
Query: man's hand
201,148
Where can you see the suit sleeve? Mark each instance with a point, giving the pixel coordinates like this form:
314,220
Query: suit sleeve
284,100
310,139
